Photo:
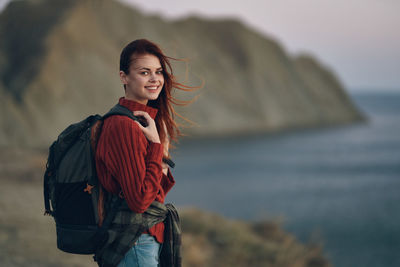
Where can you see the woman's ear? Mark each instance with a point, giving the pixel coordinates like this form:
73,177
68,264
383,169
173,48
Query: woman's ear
122,76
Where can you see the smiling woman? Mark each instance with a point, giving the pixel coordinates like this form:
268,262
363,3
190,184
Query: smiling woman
130,161
144,80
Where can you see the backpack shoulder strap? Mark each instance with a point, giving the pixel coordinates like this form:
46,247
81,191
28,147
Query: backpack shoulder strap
120,110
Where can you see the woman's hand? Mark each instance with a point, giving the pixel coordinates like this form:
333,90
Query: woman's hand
150,131
166,151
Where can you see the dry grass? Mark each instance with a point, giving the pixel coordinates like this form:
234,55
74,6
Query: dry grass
211,240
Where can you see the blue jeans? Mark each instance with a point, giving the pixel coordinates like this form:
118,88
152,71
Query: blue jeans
145,253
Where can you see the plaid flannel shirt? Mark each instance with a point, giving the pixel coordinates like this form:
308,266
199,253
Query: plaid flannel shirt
127,226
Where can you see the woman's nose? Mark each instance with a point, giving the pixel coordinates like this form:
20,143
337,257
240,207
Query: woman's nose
153,77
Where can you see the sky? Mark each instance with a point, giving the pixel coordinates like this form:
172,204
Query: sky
358,39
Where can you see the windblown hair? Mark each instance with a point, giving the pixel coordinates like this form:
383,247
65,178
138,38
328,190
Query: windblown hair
166,113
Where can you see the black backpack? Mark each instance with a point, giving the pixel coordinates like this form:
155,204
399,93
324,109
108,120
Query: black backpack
72,189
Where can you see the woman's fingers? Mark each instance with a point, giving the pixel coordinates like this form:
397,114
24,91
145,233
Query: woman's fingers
144,118
166,146
140,126
150,131
142,113
166,141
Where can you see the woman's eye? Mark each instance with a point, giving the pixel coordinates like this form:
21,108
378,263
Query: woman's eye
146,72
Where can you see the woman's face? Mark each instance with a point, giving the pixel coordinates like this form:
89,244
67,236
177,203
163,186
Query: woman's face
145,79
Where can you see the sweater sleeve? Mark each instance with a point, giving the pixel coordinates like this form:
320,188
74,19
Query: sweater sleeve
134,162
167,181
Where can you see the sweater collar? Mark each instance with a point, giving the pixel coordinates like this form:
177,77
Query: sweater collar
133,106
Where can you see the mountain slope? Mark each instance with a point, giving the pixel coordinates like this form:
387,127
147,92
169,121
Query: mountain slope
60,60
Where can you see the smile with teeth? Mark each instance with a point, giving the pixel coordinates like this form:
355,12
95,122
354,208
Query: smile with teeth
151,87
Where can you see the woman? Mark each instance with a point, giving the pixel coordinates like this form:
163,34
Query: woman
129,155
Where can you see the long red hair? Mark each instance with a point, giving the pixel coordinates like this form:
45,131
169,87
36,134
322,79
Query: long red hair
166,113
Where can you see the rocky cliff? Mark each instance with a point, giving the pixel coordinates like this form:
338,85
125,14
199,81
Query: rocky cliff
59,62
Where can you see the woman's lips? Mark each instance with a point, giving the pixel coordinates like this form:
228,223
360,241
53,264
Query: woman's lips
151,87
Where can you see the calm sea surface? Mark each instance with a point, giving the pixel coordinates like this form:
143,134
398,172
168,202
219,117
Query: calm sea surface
339,186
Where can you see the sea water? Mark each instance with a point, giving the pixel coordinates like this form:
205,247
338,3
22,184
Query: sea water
337,186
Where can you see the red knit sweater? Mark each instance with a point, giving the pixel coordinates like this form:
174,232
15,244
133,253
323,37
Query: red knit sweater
127,161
